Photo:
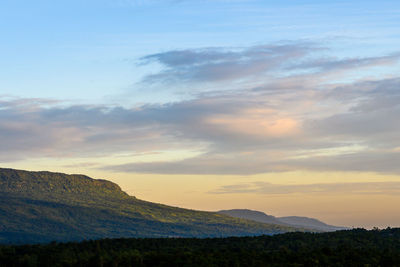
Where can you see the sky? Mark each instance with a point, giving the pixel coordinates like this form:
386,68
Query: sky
287,107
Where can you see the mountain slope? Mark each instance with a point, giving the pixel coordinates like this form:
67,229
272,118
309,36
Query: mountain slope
309,223
293,221
253,215
45,206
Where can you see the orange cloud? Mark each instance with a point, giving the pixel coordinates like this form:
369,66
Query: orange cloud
257,122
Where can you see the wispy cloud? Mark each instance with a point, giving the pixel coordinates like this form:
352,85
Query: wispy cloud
369,188
289,123
292,130
331,64
222,64
256,63
237,133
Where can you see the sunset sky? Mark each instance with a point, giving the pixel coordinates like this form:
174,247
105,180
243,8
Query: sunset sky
287,107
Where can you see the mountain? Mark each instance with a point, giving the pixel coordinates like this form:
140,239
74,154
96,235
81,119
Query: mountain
40,207
309,223
253,215
294,221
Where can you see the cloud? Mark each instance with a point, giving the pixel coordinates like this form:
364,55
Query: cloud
330,64
293,130
256,63
365,161
233,133
209,163
368,188
295,122
28,130
278,160
373,115
224,64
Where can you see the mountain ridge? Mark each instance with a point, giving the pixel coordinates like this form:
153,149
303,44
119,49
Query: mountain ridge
46,206
27,182
293,221
251,215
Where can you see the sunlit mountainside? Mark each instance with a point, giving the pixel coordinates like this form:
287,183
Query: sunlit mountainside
45,206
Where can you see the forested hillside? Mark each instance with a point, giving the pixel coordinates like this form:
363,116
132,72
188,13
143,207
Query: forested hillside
356,247
44,206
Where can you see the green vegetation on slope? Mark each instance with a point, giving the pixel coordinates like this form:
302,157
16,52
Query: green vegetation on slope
356,247
294,221
43,206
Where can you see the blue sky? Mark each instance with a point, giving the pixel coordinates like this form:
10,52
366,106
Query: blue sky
222,103
88,50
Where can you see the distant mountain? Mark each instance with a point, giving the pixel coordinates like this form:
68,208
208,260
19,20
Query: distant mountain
309,223
253,215
294,221
44,206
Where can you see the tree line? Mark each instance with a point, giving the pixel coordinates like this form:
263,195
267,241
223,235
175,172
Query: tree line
357,247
